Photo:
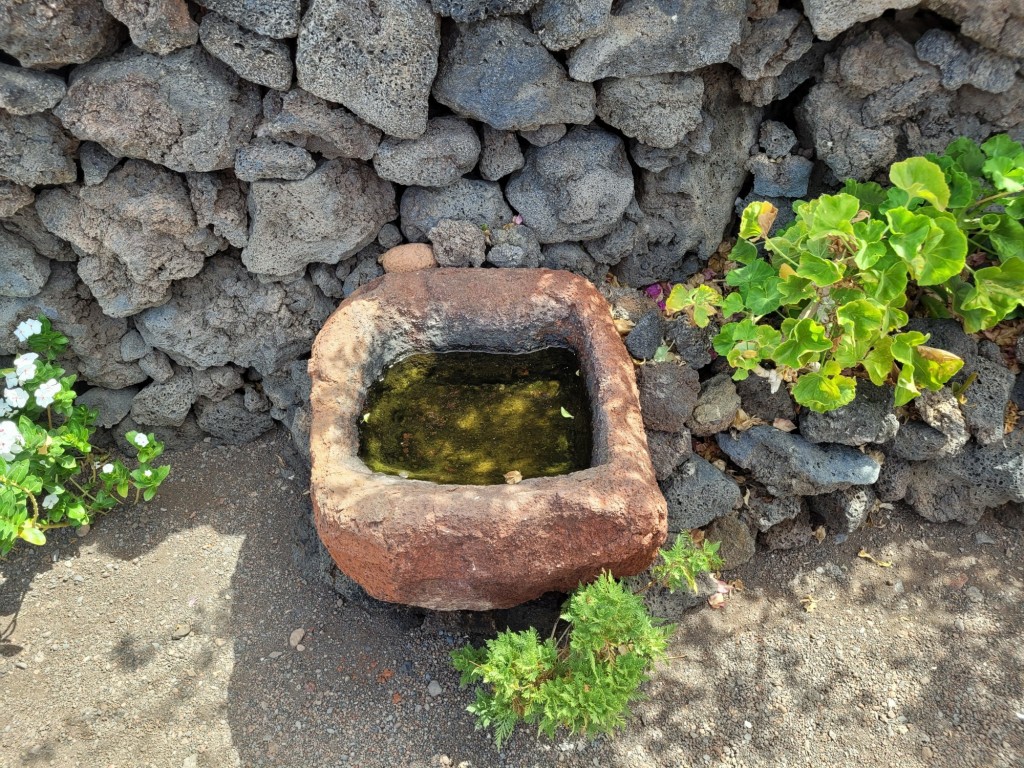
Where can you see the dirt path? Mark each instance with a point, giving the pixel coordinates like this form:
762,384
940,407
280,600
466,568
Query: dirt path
920,664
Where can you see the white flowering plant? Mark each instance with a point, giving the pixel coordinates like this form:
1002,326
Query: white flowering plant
50,474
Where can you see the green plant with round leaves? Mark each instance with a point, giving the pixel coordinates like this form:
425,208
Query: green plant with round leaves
50,474
826,298
585,680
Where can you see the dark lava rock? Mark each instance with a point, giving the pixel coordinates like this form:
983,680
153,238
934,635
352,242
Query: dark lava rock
668,450
736,538
716,406
844,510
758,400
787,464
691,343
668,394
697,493
645,338
869,418
767,511
789,534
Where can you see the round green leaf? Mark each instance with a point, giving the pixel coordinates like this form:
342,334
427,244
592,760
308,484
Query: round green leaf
921,178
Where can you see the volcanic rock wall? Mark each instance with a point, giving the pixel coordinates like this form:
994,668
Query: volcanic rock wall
189,190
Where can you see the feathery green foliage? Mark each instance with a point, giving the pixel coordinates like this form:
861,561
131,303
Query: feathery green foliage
585,680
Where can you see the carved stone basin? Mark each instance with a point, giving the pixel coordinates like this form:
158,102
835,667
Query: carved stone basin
451,547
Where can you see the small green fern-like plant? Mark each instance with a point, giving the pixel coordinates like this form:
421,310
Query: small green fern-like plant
584,680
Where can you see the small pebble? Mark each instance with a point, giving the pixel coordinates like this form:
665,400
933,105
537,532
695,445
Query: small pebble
181,631
983,538
296,637
434,688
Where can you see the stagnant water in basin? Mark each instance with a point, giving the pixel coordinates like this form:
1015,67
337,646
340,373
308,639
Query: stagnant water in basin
473,417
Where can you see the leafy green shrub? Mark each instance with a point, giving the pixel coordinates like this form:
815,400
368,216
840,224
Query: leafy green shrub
584,680
831,298
50,476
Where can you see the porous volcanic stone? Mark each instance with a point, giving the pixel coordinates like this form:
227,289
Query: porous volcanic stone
265,159
758,400
575,189
95,349
500,154
787,464
13,197
135,232
59,32
327,216
767,511
186,111
658,110
697,493
231,421
668,393
302,119
451,547
274,18
546,134
156,26
563,24
224,314
478,202
716,406
736,538
668,450
645,338
219,202
869,418
649,37
499,72
25,92
475,10
35,150
378,59
458,243
96,163
844,510
447,150
255,57
514,246
23,272
830,17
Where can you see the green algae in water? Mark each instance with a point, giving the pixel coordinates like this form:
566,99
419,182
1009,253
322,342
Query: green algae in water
470,417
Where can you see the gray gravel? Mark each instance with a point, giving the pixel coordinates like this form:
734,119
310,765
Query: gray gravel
919,664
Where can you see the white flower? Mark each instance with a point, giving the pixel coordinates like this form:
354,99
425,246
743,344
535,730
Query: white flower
25,367
27,329
107,469
147,473
5,409
141,440
10,439
50,500
12,379
46,391
16,398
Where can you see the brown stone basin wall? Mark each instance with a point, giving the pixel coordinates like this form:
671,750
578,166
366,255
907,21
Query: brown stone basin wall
445,546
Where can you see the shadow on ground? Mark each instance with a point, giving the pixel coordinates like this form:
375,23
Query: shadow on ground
916,664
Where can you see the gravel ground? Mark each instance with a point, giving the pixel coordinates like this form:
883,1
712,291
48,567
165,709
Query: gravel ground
918,664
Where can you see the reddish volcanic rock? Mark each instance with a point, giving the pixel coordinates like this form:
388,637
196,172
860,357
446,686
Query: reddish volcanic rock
451,547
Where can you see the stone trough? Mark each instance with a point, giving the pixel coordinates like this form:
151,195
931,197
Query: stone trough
453,547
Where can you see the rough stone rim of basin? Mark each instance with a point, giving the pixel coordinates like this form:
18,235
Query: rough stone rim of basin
455,547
